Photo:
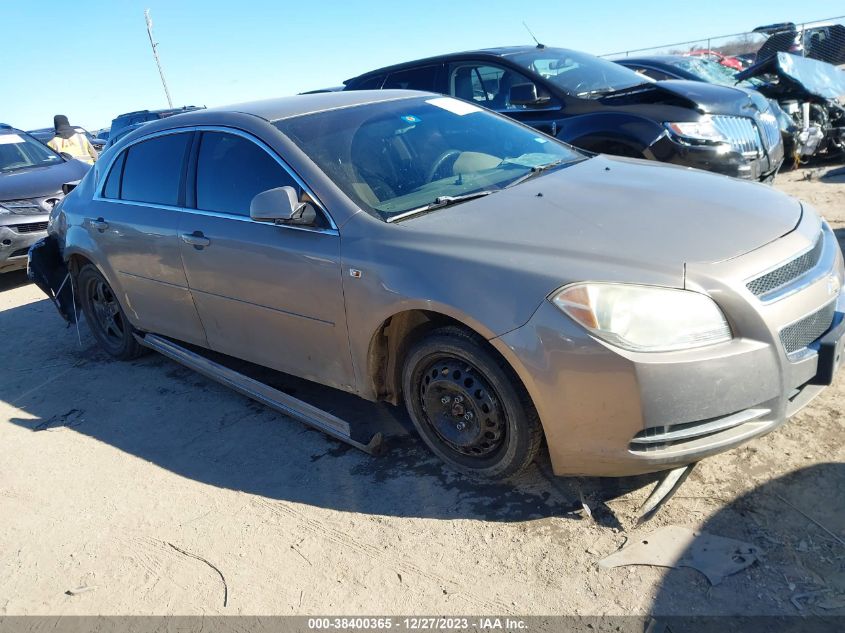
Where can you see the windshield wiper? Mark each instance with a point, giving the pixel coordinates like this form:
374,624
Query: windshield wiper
440,202
605,92
536,170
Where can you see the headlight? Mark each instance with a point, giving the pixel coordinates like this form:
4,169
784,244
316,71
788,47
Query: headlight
645,318
702,130
4,210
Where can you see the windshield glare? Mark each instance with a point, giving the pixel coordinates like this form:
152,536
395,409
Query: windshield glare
579,74
397,156
18,151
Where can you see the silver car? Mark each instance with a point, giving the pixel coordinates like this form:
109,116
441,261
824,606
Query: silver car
501,285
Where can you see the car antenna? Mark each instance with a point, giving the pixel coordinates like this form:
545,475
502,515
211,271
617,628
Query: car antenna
532,35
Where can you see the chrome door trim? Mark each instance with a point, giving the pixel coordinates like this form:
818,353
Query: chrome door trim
332,230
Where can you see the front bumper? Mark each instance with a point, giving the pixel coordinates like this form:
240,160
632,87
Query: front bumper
16,236
611,412
761,167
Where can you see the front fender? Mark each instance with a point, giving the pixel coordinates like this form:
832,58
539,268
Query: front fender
591,131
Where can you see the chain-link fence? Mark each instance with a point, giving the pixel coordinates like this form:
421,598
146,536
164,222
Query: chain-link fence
821,39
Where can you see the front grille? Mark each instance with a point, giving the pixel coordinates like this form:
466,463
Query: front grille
769,130
31,227
24,207
789,272
800,334
741,131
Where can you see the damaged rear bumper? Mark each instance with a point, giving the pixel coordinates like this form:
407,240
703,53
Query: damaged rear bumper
46,268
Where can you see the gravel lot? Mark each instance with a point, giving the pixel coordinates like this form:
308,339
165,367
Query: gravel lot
115,476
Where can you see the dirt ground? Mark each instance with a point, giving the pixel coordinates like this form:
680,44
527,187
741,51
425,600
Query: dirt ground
155,491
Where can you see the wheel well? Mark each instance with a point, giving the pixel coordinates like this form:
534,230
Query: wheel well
616,148
391,342
76,262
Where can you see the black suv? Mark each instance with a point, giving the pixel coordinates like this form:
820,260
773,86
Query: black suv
122,124
31,179
603,107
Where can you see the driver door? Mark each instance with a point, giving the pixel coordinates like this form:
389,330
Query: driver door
266,293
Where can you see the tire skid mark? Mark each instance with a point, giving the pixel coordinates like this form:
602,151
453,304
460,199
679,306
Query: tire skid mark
390,560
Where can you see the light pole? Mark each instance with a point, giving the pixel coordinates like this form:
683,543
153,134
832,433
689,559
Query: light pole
155,54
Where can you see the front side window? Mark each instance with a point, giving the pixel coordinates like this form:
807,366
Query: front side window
396,156
232,170
413,79
20,151
153,169
488,86
579,74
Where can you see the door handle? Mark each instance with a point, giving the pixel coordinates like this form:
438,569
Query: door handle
100,224
196,239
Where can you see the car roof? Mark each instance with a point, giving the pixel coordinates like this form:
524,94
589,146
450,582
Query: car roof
666,59
496,52
297,105
269,110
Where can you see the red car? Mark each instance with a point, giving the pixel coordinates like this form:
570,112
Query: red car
730,62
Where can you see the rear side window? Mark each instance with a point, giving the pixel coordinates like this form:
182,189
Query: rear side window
112,186
232,170
371,83
413,79
153,170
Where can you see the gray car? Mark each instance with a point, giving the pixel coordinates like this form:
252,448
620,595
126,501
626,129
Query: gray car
503,286
31,179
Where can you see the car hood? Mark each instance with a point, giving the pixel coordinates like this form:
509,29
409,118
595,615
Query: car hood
698,95
613,218
40,181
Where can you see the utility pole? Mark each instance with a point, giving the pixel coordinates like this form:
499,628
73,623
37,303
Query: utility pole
153,44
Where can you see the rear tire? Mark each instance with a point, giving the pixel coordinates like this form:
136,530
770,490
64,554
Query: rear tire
468,405
105,316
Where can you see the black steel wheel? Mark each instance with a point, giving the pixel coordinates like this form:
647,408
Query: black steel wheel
104,315
468,406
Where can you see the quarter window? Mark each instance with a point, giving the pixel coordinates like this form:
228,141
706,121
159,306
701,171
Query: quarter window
413,79
153,170
232,170
112,186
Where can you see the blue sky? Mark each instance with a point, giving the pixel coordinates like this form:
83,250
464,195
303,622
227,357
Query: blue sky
91,59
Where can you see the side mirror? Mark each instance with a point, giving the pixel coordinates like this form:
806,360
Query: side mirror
528,95
281,205
67,187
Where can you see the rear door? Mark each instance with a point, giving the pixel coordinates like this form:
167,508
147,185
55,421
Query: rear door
135,220
270,294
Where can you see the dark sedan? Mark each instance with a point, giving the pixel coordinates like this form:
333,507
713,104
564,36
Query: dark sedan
600,106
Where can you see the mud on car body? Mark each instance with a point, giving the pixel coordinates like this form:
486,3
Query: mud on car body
501,285
31,178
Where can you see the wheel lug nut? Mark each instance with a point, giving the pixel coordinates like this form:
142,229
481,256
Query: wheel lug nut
445,400
460,426
459,399
468,416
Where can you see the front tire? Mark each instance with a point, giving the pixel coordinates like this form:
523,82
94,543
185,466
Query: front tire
104,315
468,405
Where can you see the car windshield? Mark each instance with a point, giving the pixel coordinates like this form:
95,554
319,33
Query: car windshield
579,74
19,151
710,71
403,156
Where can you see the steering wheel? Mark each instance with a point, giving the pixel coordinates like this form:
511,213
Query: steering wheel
440,161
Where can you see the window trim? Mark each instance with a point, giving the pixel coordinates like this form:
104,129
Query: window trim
98,197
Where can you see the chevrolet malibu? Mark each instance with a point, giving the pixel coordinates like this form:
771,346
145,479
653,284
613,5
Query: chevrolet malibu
510,291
